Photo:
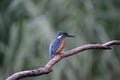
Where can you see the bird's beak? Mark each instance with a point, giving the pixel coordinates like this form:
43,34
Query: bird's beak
70,35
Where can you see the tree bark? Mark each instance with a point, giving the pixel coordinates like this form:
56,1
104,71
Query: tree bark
48,67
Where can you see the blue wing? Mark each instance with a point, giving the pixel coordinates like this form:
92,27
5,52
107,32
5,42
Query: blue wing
54,46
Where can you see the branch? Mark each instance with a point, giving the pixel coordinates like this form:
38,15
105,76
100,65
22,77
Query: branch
48,67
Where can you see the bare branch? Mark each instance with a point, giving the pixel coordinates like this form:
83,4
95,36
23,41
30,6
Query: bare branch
48,67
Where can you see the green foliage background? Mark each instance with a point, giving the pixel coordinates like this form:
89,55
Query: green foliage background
28,26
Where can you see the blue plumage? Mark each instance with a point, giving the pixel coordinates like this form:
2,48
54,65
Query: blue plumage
54,46
58,44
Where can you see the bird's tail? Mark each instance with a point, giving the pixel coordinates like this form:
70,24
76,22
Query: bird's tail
51,56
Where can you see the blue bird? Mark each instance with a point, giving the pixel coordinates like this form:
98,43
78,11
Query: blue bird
58,44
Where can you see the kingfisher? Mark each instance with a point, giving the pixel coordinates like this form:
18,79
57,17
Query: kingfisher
58,44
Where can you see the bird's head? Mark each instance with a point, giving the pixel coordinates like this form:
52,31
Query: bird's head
63,34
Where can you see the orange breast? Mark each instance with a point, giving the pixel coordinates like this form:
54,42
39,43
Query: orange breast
61,47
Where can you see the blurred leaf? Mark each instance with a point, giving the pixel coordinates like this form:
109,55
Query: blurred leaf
28,26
